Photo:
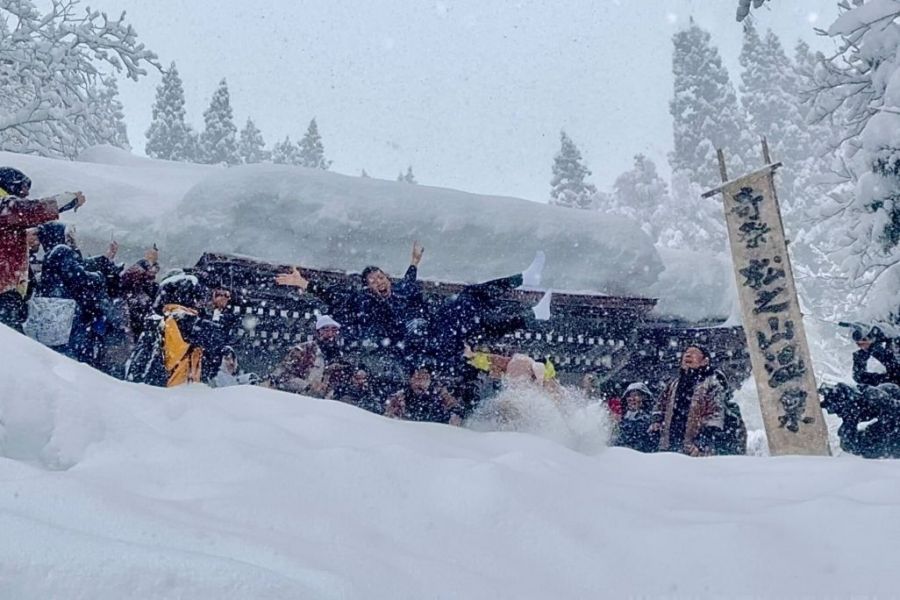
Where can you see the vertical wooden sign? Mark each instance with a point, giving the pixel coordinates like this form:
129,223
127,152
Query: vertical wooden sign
776,339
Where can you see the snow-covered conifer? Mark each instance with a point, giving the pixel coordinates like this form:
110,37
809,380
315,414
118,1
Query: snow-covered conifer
312,152
705,111
286,152
771,97
169,136
218,142
252,146
640,192
568,187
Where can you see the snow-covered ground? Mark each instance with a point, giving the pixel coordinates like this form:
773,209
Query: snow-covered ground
114,490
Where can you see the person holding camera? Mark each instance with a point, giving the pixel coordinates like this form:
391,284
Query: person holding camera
874,344
18,213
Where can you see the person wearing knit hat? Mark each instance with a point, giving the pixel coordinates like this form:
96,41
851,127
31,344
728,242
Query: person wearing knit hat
311,368
326,321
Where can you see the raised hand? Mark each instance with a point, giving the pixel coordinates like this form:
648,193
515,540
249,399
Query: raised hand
112,250
293,279
417,251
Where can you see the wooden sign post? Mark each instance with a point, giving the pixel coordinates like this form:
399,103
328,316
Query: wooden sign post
776,339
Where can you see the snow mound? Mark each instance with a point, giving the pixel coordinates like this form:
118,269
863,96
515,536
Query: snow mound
326,220
114,490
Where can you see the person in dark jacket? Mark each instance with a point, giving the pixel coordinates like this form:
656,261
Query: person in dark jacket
695,414
396,321
139,288
358,391
423,400
874,344
376,313
221,331
634,426
64,276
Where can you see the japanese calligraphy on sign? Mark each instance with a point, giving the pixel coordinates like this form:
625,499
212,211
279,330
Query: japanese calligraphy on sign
772,319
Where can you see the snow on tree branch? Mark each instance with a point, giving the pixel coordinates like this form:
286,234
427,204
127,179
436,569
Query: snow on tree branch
743,8
56,68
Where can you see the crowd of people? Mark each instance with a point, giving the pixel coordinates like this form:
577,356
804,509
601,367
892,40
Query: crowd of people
380,345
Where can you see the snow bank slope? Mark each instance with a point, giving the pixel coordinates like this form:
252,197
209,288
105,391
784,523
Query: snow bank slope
113,490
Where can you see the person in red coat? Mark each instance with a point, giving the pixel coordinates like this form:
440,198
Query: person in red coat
17,214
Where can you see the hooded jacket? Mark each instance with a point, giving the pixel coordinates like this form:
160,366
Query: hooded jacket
64,274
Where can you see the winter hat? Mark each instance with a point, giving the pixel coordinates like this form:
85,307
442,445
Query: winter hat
326,321
638,386
180,288
13,180
51,235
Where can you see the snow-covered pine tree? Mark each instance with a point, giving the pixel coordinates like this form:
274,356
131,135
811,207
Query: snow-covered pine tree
705,112
169,136
252,146
771,98
312,152
639,193
743,8
407,177
568,187
286,152
686,221
54,68
113,114
218,142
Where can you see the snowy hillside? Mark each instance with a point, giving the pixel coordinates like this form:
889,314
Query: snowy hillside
324,219
113,490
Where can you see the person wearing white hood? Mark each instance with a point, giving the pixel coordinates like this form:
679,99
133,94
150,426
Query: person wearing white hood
634,427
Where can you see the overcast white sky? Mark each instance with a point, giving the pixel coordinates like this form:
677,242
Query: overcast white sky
471,93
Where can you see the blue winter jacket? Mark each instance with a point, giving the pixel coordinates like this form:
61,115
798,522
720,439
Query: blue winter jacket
64,275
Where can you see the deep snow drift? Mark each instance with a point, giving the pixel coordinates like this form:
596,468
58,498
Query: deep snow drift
114,490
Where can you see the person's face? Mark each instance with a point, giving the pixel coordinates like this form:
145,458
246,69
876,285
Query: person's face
420,381
693,358
379,283
229,362
360,379
864,343
221,298
24,190
634,401
31,239
328,333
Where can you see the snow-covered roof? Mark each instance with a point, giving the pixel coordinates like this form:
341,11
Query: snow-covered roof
321,219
